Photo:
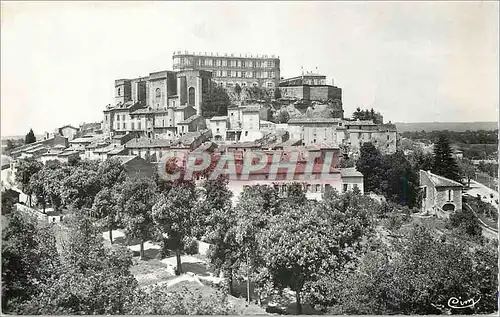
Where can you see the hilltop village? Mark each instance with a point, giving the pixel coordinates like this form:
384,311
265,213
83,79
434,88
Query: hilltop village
221,103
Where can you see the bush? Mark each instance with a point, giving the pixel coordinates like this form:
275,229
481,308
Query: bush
190,246
466,221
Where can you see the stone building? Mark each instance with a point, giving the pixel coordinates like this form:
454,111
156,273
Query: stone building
218,126
67,131
230,69
382,136
440,195
316,130
152,106
309,86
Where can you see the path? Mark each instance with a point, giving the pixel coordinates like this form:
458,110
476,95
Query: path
485,192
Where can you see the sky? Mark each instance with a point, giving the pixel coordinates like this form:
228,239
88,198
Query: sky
412,61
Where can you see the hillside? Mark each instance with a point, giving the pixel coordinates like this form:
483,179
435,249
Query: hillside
451,126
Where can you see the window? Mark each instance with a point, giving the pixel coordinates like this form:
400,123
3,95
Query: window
318,188
249,64
217,130
158,93
270,74
223,73
119,91
228,73
270,85
424,195
224,62
242,63
238,63
124,125
123,117
138,125
450,195
345,187
387,137
132,126
246,133
270,63
117,117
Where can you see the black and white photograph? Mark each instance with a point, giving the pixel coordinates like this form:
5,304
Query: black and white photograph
249,157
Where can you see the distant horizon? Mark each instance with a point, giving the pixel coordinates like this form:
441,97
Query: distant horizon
14,136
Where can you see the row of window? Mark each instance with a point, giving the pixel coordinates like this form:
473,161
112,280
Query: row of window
309,188
183,61
243,74
244,84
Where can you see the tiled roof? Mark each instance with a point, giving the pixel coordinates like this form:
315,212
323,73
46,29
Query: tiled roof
82,140
190,119
148,111
314,120
147,143
251,109
125,158
350,172
440,181
218,118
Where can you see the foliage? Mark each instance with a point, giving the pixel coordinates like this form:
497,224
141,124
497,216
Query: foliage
367,115
111,172
370,165
467,169
301,245
175,215
489,168
93,279
25,169
237,89
29,259
466,222
466,137
30,137
444,163
215,103
158,300
136,202
80,187
282,116
190,245
277,93
417,276
400,181
8,202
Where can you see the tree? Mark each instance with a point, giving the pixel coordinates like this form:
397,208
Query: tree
111,172
282,116
94,280
277,93
30,137
298,246
415,275
237,89
29,258
219,222
80,187
370,165
466,221
215,103
106,208
25,170
175,215
256,206
444,163
136,201
400,181
467,169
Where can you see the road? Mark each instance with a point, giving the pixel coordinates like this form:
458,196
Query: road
487,194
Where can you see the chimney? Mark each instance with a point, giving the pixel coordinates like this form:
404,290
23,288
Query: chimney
333,82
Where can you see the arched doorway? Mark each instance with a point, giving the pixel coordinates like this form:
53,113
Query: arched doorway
218,138
191,93
449,207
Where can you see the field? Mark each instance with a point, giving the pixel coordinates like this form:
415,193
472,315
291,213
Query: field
451,126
